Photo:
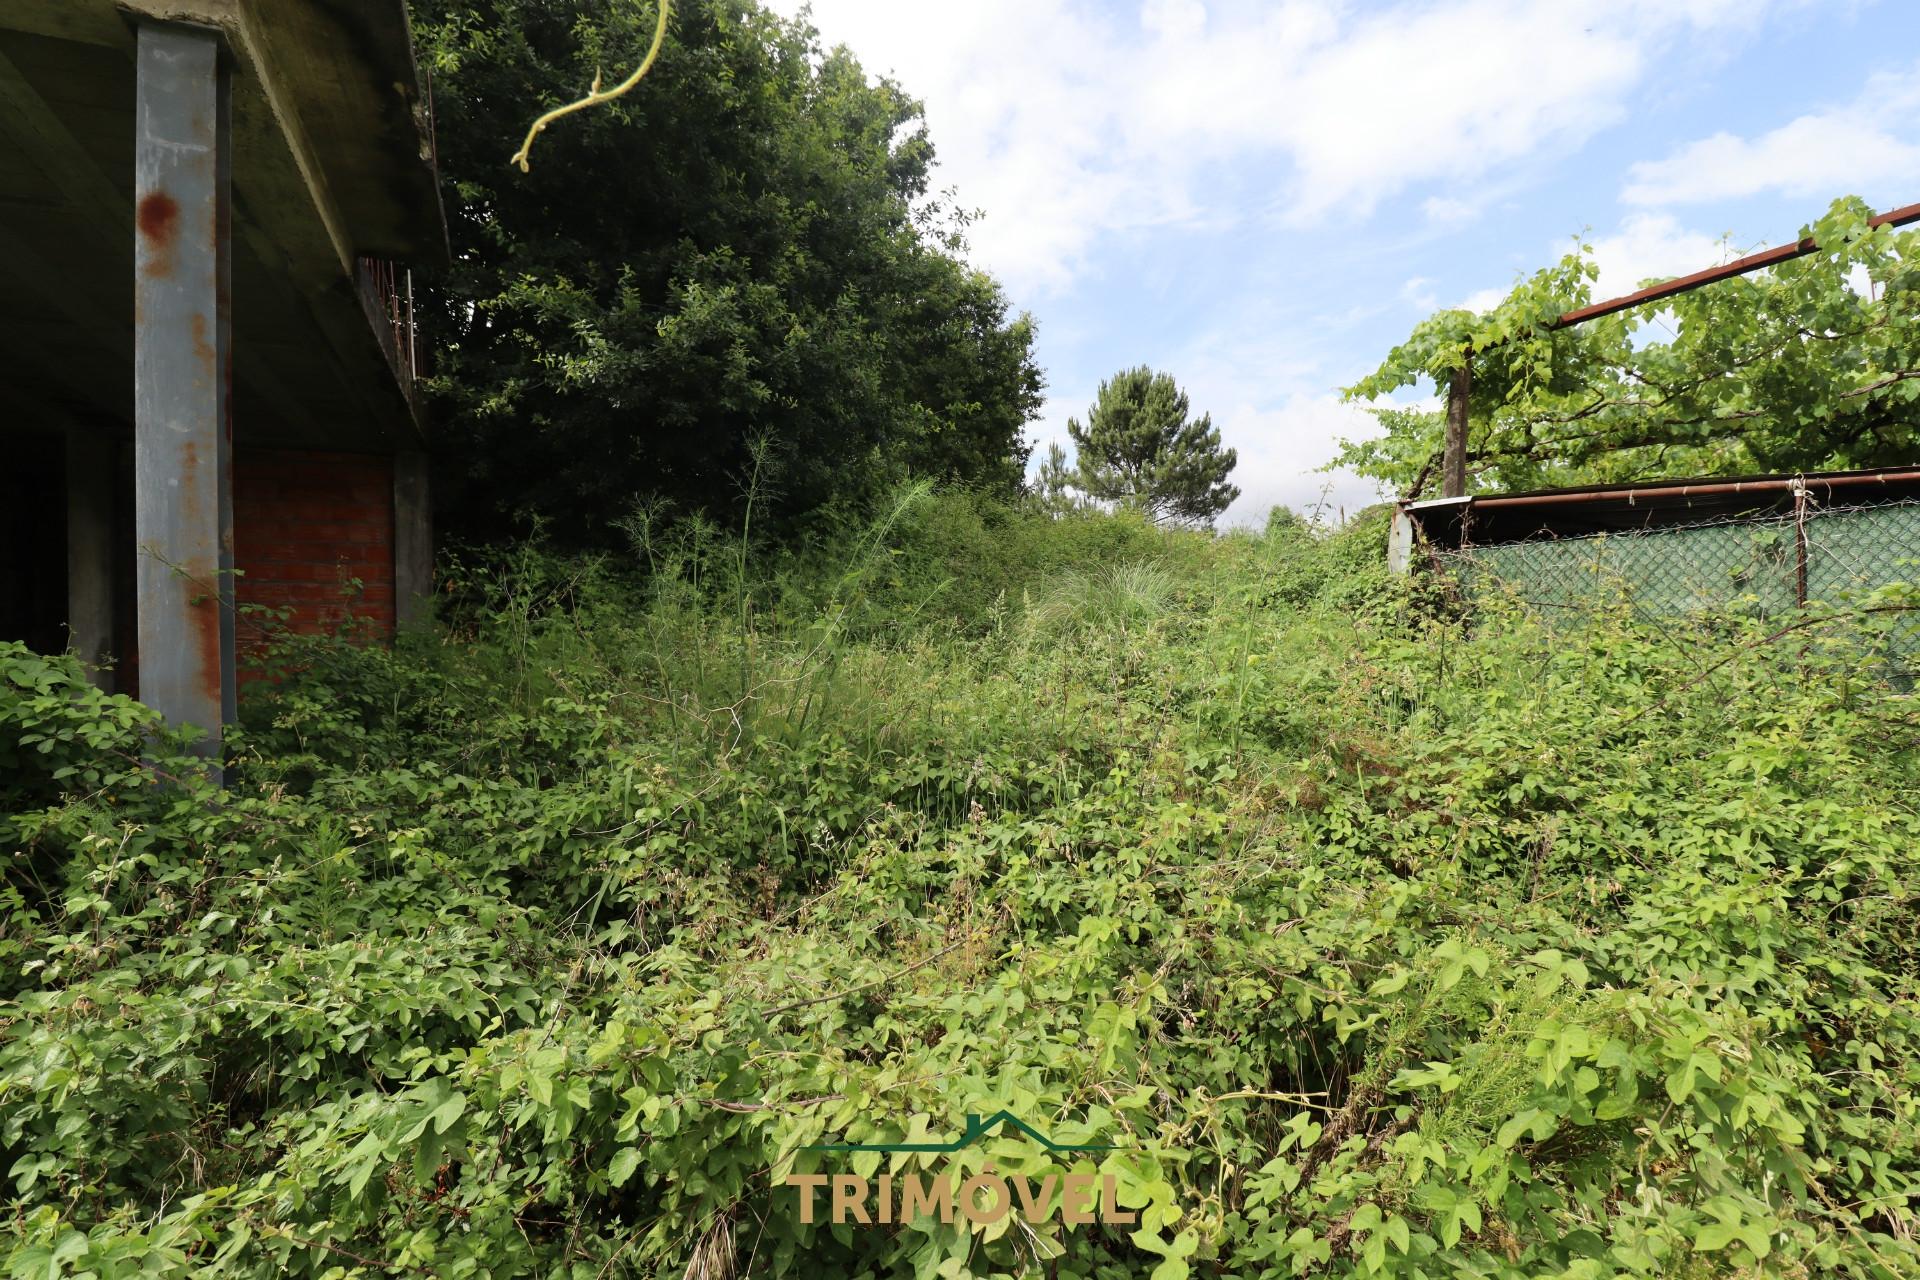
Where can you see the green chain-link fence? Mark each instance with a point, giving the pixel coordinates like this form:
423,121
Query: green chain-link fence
1749,565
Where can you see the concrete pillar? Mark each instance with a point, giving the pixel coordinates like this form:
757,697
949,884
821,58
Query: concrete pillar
183,467
92,468
412,541
1400,543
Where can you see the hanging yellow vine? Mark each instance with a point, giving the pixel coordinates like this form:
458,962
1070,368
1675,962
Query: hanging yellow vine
596,96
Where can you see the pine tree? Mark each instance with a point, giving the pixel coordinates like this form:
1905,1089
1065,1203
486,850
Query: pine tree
1054,488
1138,450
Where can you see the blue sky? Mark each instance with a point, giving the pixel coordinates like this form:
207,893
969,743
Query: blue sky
1263,196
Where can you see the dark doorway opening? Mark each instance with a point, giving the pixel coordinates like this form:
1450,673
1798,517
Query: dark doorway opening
33,532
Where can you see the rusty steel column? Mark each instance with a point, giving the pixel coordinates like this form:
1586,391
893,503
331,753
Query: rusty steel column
1453,459
182,356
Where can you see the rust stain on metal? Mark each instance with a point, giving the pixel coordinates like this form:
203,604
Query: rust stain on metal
189,491
159,214
202,349
203,618
159,221
202,593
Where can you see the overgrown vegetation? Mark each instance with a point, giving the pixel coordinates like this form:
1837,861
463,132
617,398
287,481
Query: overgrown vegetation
1382,944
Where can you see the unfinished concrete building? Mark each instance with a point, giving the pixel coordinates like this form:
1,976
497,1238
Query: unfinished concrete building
206,215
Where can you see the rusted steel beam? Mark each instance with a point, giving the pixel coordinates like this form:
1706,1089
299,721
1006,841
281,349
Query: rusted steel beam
183,469
1636,493
1726,271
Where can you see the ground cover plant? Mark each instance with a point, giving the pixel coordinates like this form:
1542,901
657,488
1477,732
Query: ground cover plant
1380,938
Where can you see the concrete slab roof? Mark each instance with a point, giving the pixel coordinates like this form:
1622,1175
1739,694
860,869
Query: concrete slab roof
340,80
332,166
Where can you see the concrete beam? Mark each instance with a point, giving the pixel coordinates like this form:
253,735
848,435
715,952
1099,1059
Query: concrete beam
412,541
331,303
183,466
286,193
90,475
84,21
348,73
45,139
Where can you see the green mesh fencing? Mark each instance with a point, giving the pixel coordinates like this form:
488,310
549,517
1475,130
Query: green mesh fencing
1744,566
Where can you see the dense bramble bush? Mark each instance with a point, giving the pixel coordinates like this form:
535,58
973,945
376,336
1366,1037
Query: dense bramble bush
1379,943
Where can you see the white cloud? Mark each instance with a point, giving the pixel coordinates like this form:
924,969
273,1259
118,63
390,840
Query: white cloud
1267,392
1652,247
1647,246
1447,91
1483,299
1281,450
1075,131
1177,18
1088,131
1449,211
1869,141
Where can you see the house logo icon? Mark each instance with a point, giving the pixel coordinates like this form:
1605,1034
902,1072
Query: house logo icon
976,1130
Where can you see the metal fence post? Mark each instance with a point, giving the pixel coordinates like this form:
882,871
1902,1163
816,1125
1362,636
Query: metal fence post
1800,542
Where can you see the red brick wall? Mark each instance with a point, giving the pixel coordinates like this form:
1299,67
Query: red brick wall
305,525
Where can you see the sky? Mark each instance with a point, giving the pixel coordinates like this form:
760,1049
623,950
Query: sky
1262,197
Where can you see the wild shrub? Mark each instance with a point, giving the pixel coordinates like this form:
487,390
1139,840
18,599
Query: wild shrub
1376,943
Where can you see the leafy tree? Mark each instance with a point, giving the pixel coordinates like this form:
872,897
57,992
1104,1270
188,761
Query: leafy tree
1812,364
742,249
1139,449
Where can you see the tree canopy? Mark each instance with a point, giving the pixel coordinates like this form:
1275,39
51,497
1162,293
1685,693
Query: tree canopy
745,249
1811,364
1139,448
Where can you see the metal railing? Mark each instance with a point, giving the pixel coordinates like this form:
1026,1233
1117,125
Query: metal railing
386,291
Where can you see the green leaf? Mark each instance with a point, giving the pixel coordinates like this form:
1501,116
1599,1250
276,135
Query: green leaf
1715,1235
448,1112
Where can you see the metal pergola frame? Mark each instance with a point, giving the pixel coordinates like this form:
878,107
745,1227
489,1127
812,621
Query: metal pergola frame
1453,457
